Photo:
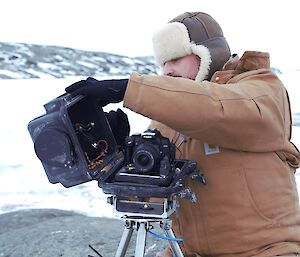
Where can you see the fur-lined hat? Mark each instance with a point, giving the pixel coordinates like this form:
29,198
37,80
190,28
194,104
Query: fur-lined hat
188,33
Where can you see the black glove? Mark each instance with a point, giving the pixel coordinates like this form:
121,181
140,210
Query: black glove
106,91
119,124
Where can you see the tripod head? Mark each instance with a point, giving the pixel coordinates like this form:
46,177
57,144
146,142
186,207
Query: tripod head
146,208
141,200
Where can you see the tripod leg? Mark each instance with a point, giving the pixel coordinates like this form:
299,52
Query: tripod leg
174,244
167,227
141,240
124,242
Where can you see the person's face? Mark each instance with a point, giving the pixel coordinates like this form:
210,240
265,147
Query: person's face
185,67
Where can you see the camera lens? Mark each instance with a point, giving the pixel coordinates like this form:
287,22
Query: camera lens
143,161
145,158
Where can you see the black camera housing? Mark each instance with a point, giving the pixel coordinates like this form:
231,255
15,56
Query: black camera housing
73,140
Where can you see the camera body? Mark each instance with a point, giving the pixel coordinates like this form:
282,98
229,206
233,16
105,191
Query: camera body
149,159
150,153
73,140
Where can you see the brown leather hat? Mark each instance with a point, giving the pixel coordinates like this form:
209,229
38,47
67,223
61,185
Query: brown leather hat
192,32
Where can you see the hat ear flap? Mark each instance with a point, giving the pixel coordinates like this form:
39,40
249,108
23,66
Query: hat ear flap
205,61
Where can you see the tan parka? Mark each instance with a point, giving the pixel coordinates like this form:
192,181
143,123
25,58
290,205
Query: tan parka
237,128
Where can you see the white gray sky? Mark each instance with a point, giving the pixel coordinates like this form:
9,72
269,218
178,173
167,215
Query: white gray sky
126,27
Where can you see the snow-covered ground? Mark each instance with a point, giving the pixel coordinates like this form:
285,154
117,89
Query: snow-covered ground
23,183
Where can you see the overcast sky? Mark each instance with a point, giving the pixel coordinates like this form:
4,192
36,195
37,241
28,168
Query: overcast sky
126,27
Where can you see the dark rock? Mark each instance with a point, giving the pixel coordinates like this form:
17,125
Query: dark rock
52,233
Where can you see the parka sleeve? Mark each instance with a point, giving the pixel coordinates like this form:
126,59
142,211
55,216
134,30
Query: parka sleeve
246,114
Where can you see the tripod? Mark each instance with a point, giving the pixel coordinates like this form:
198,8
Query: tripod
147,215
142,225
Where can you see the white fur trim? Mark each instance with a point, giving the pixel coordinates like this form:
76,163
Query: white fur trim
204,54
173,41
170,42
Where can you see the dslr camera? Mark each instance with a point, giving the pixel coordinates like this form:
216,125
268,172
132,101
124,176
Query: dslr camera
75,144
149,158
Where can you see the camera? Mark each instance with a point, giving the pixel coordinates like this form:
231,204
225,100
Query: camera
149,158
75,144
150,153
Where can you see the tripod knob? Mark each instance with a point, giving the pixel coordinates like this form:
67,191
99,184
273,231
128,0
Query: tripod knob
199,177
187,193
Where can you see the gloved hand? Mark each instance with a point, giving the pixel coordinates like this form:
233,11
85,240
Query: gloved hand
106,91
119,124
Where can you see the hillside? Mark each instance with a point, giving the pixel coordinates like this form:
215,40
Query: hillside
22,61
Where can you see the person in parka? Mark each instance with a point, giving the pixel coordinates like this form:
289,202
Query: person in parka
232,116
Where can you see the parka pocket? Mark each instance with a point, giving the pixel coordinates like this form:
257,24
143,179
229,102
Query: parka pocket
272,192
